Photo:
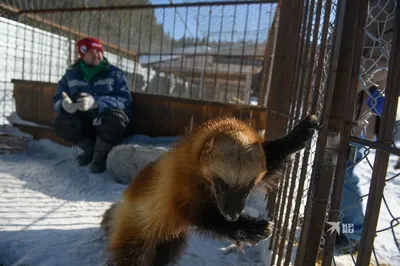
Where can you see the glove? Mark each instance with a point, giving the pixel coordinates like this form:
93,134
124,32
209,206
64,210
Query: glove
86,102
68,105
375,102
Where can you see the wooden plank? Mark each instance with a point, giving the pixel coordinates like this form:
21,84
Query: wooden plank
211,111
26,102
184,116
149,116
153,115
45,114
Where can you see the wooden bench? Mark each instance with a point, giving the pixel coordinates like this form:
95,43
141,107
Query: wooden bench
153,115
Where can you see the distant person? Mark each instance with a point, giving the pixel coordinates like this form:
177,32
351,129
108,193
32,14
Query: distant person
93,103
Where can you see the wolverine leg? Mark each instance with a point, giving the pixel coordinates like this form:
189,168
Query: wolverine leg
170,251
278,150
130,253
247,229
107,220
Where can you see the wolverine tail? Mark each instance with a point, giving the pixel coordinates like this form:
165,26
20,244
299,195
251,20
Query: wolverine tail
106,222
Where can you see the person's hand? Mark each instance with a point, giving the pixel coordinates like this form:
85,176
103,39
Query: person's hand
67,104
86,102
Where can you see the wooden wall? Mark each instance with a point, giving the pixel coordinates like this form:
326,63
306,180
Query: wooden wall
153,115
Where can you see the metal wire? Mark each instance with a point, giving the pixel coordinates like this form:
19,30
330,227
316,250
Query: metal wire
373,72
214,52
180,54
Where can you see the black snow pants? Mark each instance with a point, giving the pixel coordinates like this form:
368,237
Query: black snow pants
108,126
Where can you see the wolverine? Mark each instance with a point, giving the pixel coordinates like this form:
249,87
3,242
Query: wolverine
202,183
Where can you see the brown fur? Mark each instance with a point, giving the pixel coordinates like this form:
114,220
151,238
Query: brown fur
163,200
202,182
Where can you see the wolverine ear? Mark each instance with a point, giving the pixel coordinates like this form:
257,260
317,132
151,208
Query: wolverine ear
208,146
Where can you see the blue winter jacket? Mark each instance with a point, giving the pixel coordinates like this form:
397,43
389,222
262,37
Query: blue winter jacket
109,88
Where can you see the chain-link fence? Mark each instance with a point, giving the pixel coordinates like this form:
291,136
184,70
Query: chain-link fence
333,178
358,219
335,59
316,20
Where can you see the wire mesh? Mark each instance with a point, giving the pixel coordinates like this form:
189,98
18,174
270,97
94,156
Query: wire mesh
360,165
373,74
217,53
218,62
211,51
313,59
378,35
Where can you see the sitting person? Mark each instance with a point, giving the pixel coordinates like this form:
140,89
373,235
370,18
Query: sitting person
93,103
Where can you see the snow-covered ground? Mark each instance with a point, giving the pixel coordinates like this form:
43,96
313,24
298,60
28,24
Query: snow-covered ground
50,210
386,251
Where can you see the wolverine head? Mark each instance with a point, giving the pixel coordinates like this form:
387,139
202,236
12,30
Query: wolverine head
232,164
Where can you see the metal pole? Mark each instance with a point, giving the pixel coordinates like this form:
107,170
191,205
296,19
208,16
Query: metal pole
341,92
375,145
282,93
126,7
282,76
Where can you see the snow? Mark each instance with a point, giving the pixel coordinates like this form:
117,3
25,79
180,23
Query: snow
384,244
14,119
51,209
385,247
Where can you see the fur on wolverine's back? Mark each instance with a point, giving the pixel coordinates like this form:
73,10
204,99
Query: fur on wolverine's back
202,182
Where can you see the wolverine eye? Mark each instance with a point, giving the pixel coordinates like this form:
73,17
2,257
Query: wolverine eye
220,185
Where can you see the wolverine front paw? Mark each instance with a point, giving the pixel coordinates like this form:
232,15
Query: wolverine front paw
305,129
255,233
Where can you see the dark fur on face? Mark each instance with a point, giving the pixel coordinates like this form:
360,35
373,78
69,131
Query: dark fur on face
234,165
230,199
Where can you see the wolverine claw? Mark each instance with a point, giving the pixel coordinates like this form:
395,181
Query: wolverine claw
269,230
307,124
305,129
256,233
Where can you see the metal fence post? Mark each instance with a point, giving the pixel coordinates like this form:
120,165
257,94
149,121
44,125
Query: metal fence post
283,71
341,91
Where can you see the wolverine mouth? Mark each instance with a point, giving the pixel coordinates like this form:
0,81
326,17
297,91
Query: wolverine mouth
230,199
231,218
229,215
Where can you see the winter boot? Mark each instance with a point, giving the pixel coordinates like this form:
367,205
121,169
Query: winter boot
101,150
87,145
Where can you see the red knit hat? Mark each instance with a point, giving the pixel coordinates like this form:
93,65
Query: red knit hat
86,44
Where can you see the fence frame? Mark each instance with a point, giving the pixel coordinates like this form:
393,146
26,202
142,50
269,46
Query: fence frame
343,78
332,149
149,6
285,68
385,136
35,17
